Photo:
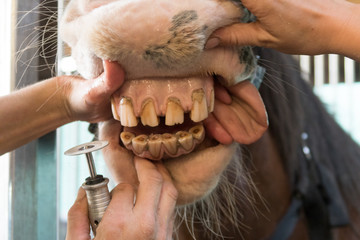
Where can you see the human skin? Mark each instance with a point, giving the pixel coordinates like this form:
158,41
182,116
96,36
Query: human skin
298,27
150,217
38,109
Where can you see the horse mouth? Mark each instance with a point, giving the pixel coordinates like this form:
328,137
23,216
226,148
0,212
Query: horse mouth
162,118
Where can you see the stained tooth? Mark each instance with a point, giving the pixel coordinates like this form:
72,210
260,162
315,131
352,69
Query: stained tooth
127,115
199,109
185,139
197,132
154,143
212,101
140,143
174,112
113,109
170,142
126,137
148,115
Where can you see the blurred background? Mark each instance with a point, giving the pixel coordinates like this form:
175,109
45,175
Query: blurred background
38,184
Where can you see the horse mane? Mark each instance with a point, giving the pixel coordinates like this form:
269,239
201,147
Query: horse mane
293,108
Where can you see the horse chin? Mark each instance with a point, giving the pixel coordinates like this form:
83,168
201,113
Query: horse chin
196,174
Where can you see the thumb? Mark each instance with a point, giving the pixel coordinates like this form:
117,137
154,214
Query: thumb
114,75
78,226
240,34
108,82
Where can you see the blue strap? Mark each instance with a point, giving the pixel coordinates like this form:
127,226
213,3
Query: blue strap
258,76
287,224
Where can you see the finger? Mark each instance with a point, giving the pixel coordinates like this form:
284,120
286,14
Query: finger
149,189
215,130
118,159
107,83
118,217
242,127
78,226
168,198
240,34
233,123
110,131
221,93
121,204
246,118
250,99
114,75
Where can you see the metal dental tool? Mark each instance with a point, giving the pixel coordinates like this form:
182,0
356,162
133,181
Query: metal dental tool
96,186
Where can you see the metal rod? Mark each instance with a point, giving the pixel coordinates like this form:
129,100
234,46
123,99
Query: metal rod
90,161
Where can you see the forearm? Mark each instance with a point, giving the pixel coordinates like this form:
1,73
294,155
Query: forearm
308,27
32,112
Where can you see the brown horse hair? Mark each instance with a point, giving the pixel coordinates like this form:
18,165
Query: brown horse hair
293,108
219,211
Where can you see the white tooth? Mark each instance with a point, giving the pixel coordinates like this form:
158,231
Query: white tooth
170,142
199,109
113,109
197,132
127,115
140,143
212,101
185,139
174,112
154,144
148,115
126,137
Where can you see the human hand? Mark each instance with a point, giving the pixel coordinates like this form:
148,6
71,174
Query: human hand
89,100
290,26
246,118
151,217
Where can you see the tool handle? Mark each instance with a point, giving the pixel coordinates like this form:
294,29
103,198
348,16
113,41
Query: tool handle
98,198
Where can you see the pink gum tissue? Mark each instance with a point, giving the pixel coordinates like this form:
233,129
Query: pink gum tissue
160,90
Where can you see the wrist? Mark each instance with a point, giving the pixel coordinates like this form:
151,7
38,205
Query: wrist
65,85
345,31
56,105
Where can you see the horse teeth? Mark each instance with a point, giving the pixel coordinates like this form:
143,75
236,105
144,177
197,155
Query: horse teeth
170,142
140,143
154,145
198,132
199,109
126,138
113,109
148,115
174,112
212,101
127,115
185,139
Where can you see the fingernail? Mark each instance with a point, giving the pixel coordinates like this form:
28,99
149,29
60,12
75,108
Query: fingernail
212,43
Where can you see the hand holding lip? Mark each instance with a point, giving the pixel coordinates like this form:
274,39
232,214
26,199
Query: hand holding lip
90,99
244,120
296,27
